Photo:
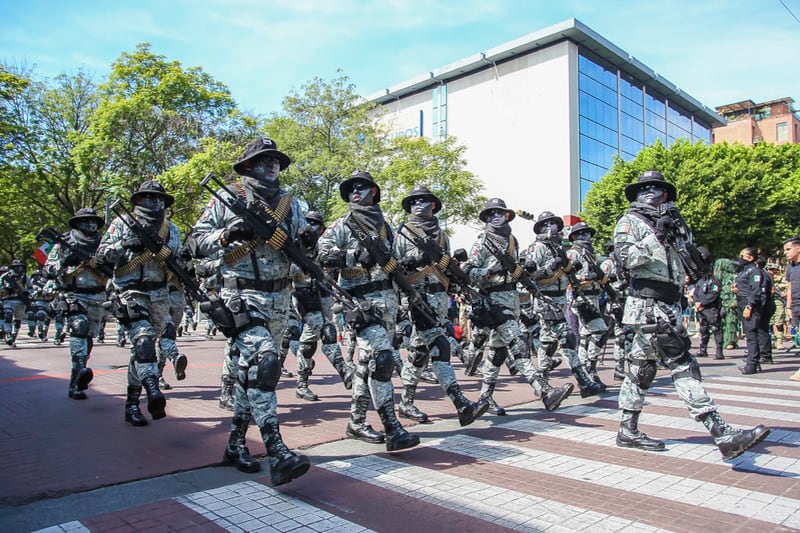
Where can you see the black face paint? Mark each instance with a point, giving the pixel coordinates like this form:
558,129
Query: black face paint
265,169
87,227
652,195
422,206
361,193
152,202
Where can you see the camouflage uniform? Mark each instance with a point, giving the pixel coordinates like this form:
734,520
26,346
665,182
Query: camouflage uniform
778,320
167,347
652,307
14,292
39,318
141,302
622,334
370,284
83,287
505,339
255,289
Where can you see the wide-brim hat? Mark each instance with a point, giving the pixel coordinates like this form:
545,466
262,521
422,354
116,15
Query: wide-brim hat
650,177
579,227
85,214
359,175
421,191
545,217
491,205
315,216
153,187
263,146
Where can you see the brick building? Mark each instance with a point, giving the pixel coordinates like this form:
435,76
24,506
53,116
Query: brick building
750,123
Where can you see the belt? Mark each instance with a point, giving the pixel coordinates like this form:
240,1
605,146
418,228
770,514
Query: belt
501,288
373,286
145,286
658,290
263,285
87,290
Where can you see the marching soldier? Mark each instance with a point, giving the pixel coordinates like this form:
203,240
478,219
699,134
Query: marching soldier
14,291
646,242
618,281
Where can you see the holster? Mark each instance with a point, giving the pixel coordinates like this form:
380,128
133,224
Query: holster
223,318
307,300
362,316
483,316
126,312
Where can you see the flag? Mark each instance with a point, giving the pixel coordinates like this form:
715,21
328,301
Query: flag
42,252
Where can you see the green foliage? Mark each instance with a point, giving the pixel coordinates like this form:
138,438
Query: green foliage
732,196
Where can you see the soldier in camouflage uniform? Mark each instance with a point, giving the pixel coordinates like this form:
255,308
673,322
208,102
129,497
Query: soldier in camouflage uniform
342,246
429,344
547,253
83,286
622,334
505,339
39,317
314,308
778,320
255,290
585,300
141,302
167,346
645,240
15,295
723,270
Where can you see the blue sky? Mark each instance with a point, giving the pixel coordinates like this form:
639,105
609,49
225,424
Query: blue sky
718,51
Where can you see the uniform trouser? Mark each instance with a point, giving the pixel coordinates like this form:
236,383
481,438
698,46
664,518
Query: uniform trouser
592,332
764,338
423,345
684,378
709,322
778,319
313,322
84,324
753,334
167,349
507,336
552,332
143,330
13,313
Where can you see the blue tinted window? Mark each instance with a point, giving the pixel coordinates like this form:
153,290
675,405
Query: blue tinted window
651,134
632,127
701,132
585,186
655,105
631,90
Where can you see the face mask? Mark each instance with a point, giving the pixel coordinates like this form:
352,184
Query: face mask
151,202
651,195
584,237
361,194
265,169
87,227
497,218
422,207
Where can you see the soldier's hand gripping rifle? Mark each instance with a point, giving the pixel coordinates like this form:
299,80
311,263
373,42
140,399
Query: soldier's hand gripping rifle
422,314
88,259
569,272
268,230
515,270
681,240
156,248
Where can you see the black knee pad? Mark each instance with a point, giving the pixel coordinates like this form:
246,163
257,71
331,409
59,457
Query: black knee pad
307,349
442,346
285,341
145,350
79,327
328,333
498,355
293,333
170,332
570,340
269,372
480,339
645,375
418,356
384,366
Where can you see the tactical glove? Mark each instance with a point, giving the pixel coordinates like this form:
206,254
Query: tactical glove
460,255
577,265
412,262
237,230
366,259
334,259
134,244
185,254
554,264
530,267
309,237
665,225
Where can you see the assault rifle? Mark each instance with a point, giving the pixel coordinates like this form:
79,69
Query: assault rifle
515,269
681,240
88,259
156,248
426,315
268,230
568,271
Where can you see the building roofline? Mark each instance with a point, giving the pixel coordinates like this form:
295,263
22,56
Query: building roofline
572,30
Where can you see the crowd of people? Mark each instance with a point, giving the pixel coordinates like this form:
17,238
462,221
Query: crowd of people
273,278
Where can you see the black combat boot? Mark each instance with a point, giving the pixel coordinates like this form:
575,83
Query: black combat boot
629,435
619,370
732,442
594,375
588,386
156,402
468,411
357,427
551,396
226,392
397,438
718,354
73,386
408,409
161,381
487,395
133,415
750,368
284,465
236,451
345,371
83,376
302,391
179,365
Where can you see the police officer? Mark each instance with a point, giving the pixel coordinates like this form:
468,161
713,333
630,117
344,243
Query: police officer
432,343
345,245
646,242
547,253
707,304
255,289
141,303
314,308
750,288
16,297
585,299
83,285
505,339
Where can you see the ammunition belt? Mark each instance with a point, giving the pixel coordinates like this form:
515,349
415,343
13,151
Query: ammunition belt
88,290
353,273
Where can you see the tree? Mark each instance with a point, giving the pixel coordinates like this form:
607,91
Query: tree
731,196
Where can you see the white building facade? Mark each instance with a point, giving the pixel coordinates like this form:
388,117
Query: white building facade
543,116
